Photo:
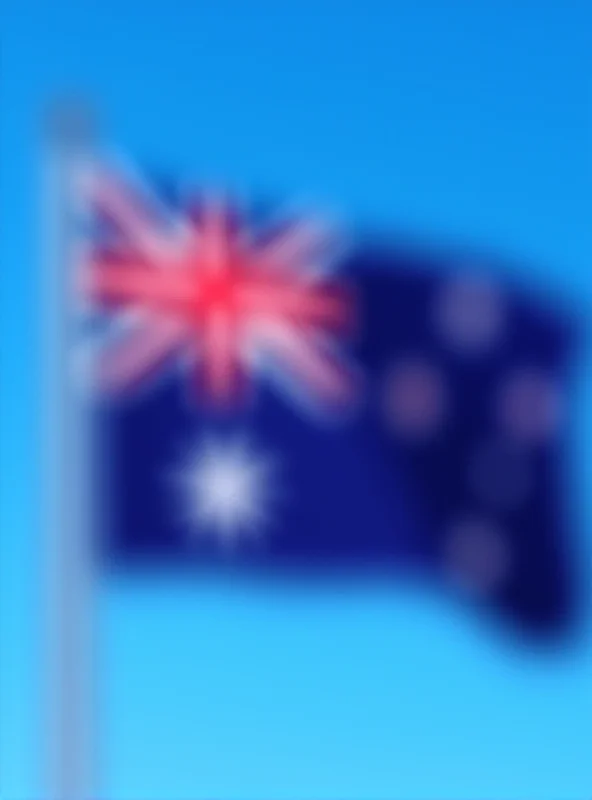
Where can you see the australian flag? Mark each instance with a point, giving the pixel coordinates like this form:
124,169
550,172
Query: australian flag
273,398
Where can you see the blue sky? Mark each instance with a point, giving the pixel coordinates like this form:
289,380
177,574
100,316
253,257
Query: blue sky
462,119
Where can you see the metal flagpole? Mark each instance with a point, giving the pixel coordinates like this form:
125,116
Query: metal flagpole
68,140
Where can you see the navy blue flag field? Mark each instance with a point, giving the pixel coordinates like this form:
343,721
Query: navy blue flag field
270,399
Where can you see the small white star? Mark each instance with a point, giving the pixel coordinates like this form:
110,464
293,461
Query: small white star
415,399
477,555
530,406
470,314
227,489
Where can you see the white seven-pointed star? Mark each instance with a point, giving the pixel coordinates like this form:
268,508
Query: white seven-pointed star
228,489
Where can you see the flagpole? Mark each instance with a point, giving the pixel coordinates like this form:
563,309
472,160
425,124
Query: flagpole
70,608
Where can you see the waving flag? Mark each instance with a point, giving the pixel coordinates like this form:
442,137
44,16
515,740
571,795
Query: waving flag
269,399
